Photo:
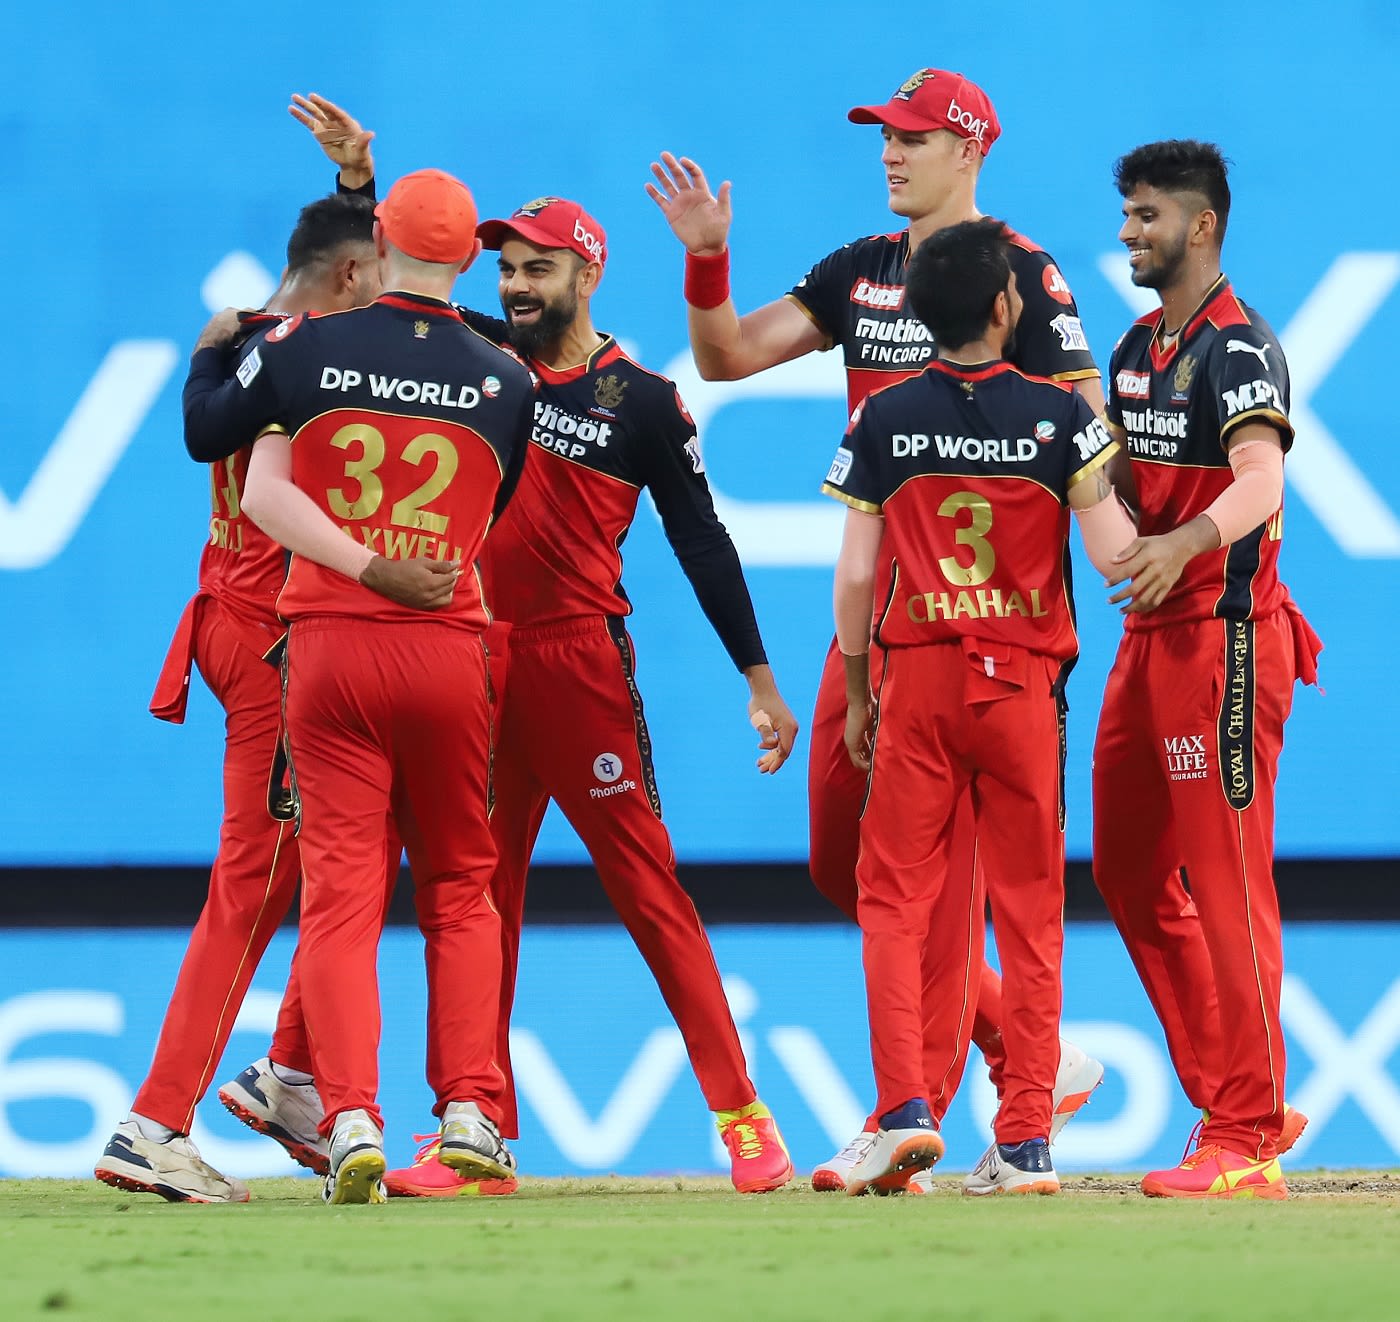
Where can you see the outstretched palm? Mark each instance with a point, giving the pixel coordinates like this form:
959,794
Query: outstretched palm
338,132
698,218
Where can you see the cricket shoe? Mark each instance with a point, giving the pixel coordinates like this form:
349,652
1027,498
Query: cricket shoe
1214,1172
356,1161
173,1169
1014,1168
428,1177
288,1113
906,1142
471,1145
1294,1122
831,1175
1077,1077
758,1157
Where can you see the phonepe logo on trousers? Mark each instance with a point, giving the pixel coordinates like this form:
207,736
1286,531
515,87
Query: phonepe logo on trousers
607,770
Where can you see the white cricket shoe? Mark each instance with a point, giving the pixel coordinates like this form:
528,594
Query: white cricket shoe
1014,1168
907,1141
831,1176
287,1113
472,1146
356,1161
173,1169
1079,1074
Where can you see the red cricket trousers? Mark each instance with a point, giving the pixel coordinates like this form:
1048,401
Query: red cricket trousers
254,877
835,794
1184,768
392,719
947,728
571,728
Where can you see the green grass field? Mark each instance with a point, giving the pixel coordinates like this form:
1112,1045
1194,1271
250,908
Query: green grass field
692,1249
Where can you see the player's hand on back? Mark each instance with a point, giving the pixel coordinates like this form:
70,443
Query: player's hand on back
219,331
423,584
698,218
341,137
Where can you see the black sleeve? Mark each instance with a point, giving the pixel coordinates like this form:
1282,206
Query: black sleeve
674,473
490,328
823,292
1249,381
1050,339
364,190
226,406
515,461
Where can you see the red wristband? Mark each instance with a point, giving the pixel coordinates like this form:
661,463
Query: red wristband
707,279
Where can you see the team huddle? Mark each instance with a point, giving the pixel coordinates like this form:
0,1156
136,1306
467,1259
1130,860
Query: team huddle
414,549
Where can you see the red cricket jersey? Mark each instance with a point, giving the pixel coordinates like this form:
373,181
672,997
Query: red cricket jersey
1178,407
971,468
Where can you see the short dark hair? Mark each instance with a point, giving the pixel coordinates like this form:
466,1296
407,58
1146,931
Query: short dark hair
325,225
955,277
1179,165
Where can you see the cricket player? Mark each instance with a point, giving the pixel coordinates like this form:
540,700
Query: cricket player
226,629
937,129
396,436
571,726
962,479
1192,721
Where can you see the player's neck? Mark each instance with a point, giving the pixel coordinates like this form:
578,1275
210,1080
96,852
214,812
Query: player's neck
989,349
573,348
1183,298
956,208
298,294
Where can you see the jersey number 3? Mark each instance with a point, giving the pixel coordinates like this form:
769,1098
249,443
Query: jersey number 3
364,472
972,535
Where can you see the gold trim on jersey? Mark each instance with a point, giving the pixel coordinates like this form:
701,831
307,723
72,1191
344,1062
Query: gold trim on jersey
272,429
836,493
1072,376
827,341
1094,464
1256,415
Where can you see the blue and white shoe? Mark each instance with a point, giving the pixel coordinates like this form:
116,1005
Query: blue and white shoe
1014,1168
906,1142
357,1161
173,1169
288,1113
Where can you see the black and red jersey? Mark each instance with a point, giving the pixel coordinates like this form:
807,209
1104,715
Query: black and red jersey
971,469
407,429
855,296
1177,407
603,431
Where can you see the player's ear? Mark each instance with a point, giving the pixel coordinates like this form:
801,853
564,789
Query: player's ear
590,273
475,253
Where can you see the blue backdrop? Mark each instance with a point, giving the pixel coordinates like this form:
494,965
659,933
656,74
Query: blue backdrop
602,1071
152,174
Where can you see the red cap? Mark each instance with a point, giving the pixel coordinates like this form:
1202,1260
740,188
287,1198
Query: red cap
550,222
431,216
936,99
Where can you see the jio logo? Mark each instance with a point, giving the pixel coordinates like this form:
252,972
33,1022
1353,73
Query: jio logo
607,767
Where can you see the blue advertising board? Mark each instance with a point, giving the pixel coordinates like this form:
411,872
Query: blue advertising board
139,202
602,1073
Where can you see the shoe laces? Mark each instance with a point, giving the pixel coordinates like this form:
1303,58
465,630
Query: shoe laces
856,1149
1204,1153
743,1139
429,1149
1192,1140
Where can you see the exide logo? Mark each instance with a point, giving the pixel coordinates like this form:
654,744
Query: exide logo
877,296
1133,385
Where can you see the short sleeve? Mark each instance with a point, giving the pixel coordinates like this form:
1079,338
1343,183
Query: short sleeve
1050,339
1249,381
823,293
1091,446
856,477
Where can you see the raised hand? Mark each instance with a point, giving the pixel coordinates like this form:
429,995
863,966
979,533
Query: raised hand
697,217
340,135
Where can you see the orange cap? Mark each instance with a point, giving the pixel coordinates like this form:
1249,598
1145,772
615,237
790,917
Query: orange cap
431,216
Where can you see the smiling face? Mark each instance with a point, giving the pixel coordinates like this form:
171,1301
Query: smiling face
540,289
922,169
1157,230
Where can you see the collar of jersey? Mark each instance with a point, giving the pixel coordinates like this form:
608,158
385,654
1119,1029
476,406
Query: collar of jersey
604,354
434,307
1162,357
971,372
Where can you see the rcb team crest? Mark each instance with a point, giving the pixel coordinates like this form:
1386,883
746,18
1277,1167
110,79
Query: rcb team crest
1185,370
608,392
